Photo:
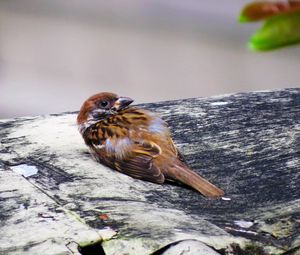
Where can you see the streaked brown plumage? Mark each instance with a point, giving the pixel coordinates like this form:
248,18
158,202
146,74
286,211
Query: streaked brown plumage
135,142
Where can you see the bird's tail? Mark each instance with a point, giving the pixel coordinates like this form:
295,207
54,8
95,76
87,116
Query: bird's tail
182,173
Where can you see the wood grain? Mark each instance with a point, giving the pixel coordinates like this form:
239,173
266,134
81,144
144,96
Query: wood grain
248,144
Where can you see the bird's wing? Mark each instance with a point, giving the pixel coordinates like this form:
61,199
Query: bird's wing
138,163
176,151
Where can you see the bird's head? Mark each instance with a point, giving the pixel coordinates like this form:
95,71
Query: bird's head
100,106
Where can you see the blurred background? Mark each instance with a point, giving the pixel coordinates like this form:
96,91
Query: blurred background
54,54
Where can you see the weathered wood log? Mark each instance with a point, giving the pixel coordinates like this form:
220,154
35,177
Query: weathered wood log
54,196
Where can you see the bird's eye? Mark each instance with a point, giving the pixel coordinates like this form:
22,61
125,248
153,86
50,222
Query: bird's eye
103,103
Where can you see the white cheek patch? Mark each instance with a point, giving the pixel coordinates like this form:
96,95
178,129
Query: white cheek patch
157,125
92,119
82,127
120,147
85,125
96,113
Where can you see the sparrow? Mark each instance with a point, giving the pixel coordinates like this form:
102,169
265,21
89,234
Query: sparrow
135,142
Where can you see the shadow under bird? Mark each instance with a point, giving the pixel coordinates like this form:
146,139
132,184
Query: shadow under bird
135,142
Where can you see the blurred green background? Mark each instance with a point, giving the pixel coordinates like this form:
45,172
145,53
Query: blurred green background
54,54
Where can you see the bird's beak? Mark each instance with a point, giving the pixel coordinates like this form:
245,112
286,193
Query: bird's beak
121,103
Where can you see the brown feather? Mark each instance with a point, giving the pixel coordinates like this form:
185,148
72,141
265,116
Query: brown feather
180,172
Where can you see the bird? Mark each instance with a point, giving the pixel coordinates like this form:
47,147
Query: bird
136,142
